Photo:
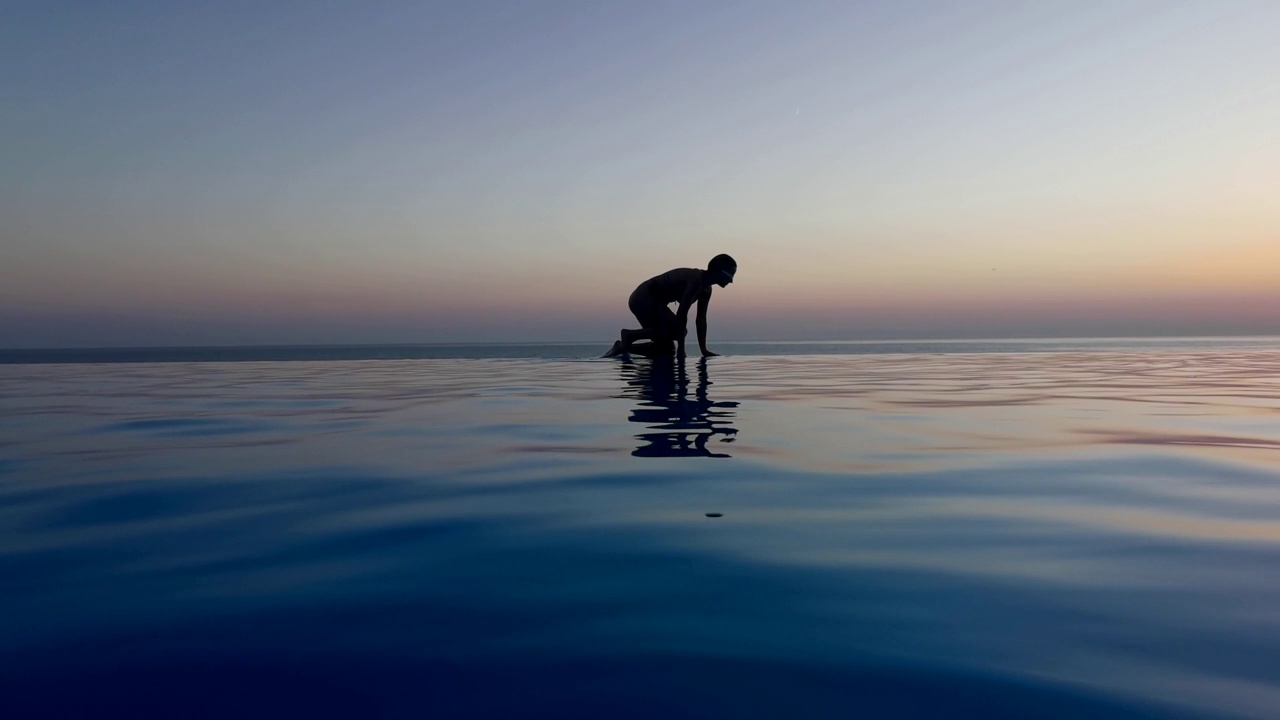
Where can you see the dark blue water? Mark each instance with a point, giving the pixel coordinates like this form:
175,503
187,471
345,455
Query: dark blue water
1091,532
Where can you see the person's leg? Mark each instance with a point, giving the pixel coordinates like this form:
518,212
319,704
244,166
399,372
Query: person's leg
660,331
645,348
663,332
639,306
630,336
652,316
654,349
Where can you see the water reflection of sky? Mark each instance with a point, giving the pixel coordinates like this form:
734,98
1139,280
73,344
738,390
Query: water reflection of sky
1091,534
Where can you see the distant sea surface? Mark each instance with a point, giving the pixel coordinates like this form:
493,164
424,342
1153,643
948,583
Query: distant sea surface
1001,529
567,350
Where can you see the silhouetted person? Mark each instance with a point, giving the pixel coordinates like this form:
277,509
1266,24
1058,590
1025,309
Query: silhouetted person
666,330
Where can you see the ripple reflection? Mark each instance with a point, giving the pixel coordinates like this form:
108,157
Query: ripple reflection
684,424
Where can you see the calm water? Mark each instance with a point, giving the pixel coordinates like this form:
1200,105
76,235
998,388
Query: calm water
1088,532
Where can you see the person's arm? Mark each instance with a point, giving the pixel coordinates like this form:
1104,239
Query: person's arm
703,301
692,291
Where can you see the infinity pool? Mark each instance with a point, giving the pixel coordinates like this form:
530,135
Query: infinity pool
1085,533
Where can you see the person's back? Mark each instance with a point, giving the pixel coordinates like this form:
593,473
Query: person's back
670,286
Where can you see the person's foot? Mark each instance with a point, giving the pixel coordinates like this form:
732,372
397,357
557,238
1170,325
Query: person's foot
614,351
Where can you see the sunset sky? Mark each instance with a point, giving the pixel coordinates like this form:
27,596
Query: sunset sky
334,172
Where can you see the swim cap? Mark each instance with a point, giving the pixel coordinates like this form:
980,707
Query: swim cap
723,264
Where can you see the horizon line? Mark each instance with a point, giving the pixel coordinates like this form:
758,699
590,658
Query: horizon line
509,343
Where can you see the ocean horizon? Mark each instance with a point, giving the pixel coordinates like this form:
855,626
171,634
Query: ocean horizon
584,349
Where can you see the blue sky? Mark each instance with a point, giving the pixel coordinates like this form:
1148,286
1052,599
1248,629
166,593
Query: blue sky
415,172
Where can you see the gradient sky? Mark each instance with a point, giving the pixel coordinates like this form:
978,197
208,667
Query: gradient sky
331,172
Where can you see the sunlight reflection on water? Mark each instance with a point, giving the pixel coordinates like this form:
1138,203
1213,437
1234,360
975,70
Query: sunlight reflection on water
1096,527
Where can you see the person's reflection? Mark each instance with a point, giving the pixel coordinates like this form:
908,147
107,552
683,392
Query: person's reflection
681,425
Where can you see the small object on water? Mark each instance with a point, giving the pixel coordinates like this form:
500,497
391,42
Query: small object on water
715,514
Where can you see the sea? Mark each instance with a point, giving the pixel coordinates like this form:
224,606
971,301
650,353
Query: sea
1082,528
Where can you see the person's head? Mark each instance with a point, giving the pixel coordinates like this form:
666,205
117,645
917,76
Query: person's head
721,270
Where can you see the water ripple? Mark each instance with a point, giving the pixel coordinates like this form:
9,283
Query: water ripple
1070,534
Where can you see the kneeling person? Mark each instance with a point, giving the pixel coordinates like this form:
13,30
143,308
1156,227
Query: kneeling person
666,330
